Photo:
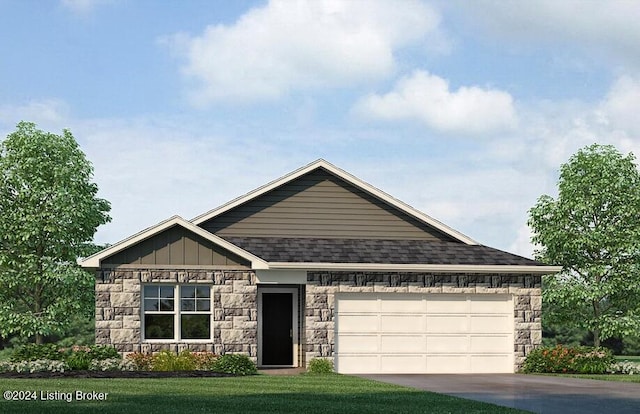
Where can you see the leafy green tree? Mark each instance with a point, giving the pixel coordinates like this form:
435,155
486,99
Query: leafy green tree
49,213
592,230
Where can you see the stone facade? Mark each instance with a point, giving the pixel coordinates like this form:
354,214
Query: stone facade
322,287
235,313
234,309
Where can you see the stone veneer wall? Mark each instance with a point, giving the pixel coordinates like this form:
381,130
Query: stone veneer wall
322,287
235,313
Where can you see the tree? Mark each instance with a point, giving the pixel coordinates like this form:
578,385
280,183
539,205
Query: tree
49,213
592,230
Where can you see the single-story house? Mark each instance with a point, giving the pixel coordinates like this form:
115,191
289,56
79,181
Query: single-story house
319,263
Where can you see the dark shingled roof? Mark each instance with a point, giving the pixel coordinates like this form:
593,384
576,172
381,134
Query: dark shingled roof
301,250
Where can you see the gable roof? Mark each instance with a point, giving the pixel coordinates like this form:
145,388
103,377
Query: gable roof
95,260
349,178
458,253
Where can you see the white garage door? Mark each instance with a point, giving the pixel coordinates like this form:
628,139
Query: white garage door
415,333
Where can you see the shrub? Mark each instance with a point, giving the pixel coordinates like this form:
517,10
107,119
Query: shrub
237,364
112,364
6,366
320,366
32,352
102,352
78,360
625,367
168,361
205,361
76,357
593,360
39,365
577,360
140,361
80,357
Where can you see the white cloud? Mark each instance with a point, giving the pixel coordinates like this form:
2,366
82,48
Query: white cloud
299,45
607,28
46,113
522,243
619,109
153,167
429,99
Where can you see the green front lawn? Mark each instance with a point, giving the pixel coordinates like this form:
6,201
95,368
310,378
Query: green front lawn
632,358
307,394
603,377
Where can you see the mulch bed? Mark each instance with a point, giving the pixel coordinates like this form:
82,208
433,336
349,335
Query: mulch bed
115,374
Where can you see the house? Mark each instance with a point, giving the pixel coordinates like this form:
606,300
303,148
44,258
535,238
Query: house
319,263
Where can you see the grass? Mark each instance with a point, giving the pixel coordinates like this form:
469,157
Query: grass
257,394
603,377
632,358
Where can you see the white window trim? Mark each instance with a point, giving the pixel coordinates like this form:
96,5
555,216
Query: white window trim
177,328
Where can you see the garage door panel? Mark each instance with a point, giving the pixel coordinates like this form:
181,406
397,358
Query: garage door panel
357,304
358,323
403,363
403,304
489,364
491,304
358,364
369,344
447,344
424,333
491,323
447,304
447,323
489,343
447,364
402,344
402,323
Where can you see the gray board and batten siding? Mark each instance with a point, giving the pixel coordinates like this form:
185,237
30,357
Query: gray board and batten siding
320,205
176,246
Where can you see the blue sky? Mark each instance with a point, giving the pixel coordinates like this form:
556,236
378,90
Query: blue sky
464,110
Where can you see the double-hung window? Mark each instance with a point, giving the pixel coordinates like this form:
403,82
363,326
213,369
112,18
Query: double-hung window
177,312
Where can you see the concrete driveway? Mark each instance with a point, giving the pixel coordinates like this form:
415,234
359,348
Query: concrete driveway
536,393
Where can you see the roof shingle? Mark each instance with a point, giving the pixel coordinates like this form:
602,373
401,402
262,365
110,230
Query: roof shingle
314,250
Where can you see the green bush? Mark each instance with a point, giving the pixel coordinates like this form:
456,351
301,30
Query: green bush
575,360
320,366
33,352
237,364
78,360
168,361
81,357
76,357
102,352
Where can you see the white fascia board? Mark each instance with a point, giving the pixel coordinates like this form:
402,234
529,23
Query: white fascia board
436,268
94,260
352,179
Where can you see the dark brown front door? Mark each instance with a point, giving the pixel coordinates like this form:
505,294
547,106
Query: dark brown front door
277,328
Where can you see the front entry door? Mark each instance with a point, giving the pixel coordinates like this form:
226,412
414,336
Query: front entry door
278,331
